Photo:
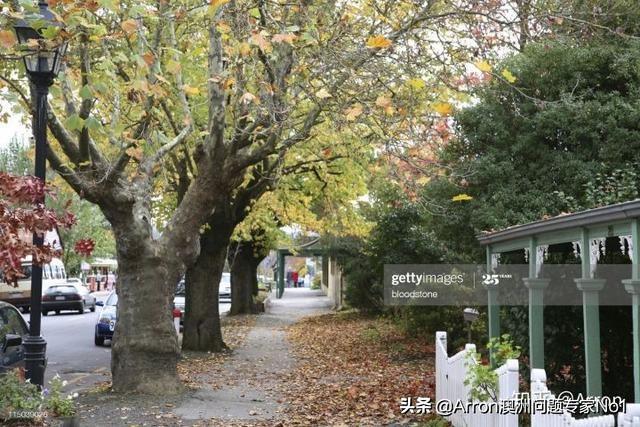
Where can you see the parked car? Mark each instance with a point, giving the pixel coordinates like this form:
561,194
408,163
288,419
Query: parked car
224,290
87,296
63,297
107,320
12,329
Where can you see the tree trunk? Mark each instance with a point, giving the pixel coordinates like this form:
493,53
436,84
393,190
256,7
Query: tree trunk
202,330
145,349
244,279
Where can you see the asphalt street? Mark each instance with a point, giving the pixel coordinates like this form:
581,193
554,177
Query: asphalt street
71,351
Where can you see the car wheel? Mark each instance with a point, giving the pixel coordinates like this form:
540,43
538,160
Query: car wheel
44,313
57,312
93,308
81,309
99,341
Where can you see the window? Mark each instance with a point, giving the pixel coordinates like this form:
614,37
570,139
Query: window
62,289
112,300
11,322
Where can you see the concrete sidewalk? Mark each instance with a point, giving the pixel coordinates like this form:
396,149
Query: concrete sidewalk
242,389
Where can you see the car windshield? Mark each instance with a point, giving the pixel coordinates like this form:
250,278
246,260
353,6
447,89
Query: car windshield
62,289
112,300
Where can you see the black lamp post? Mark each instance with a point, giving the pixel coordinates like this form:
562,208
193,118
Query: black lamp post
42,63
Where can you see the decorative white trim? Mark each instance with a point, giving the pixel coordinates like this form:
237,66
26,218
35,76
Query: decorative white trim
595,246
542,254
495,260
629,245
576,249
526,254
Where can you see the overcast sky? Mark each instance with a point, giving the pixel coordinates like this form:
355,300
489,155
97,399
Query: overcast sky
12,128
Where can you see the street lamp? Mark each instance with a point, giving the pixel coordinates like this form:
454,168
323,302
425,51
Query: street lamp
42,63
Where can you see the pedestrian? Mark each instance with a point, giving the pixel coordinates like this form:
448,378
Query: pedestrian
294,278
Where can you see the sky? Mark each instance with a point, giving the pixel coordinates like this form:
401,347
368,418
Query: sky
12,128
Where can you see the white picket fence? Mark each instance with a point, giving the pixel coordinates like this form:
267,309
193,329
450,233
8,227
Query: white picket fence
451,373
539,390
631,418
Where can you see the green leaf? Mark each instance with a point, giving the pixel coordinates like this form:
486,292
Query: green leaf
74,122
50,32
92,123
255,12
85,92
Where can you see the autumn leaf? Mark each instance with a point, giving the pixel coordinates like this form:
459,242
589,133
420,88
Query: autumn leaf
129,26
7,39
323,94
378,42
385,103
190,90
248,98
508,76
483,66
173,67
215,4
134,153
284,38
416,83
258,39
443,108
244,49
353,113
461,198
148,58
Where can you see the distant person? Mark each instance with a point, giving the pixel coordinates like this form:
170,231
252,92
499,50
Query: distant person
289,278
294,278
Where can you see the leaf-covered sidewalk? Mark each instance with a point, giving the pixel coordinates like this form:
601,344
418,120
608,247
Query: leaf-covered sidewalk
300,364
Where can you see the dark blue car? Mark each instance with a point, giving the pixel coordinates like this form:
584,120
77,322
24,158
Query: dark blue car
13,329
107,319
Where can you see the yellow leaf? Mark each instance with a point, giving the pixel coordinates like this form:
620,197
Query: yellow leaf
7,39
416,83
190,90
483,66
352,113
129,26
215,4
173,67
508,76
443,108
323,94
461,198
378,42
244,49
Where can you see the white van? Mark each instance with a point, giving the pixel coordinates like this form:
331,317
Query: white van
53,273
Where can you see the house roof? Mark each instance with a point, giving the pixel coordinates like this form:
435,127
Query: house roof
598,216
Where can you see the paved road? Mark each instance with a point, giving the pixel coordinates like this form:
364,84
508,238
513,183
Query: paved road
71,351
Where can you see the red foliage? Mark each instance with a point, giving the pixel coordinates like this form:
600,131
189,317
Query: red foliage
22,213
84,247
